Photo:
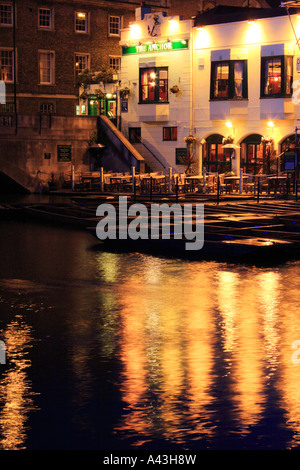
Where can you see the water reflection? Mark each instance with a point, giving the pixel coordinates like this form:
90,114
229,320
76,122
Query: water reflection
200,339
149,351
15,387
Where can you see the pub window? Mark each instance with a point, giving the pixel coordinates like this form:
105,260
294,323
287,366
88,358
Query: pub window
45,18
169,133
229,80
6,14
81,22
135,135
7,65
277,76
114,25
154,85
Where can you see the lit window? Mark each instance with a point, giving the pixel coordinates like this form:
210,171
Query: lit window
277,76
169,133
45,18
6,14
46,68
154,85
114,25
115,63
7,65
229,79
82,62
81,22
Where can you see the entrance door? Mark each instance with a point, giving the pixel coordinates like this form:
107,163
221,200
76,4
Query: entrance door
252,154
106,107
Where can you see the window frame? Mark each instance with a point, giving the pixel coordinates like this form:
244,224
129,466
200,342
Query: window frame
157,85
46,28
52,70
7,25
110,34
134,130
86,54
283,59
11,50
86,31
231,80
171,138
115,57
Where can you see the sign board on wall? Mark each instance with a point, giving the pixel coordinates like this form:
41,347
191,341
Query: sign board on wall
64,153
165,46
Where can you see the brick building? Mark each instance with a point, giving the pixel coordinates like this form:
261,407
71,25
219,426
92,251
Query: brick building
53,40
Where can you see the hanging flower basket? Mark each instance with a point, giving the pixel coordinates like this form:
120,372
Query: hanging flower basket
190,139
124,92
266,140
99,94
228,140
174,89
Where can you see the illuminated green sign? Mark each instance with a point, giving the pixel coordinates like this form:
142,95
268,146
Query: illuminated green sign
156,47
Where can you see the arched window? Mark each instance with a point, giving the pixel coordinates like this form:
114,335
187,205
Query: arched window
252,154
215,157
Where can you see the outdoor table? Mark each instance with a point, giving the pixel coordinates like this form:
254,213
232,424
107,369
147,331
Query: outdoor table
230,182
193,181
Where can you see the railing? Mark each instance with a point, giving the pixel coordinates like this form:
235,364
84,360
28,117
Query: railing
153,154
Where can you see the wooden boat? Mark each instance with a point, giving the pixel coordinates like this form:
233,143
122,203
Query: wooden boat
221,247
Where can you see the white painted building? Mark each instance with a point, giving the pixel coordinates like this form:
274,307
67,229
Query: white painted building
234,78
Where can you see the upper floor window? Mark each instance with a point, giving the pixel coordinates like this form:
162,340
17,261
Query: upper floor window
6,14
154,85
229,80
115,63
277,76
81,22
45,18
82,62
7,65
46,68
114,25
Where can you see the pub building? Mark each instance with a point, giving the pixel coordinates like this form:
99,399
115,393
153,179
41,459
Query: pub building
225,83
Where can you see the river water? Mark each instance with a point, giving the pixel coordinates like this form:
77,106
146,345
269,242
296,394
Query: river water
132,351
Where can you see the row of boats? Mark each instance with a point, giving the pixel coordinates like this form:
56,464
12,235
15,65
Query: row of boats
244,231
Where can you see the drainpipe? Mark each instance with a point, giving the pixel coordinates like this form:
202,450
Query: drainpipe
14,62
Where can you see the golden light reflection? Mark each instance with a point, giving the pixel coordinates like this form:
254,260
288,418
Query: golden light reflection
248,386
288,385
227,297
177,330
15,388
108,266
165,349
